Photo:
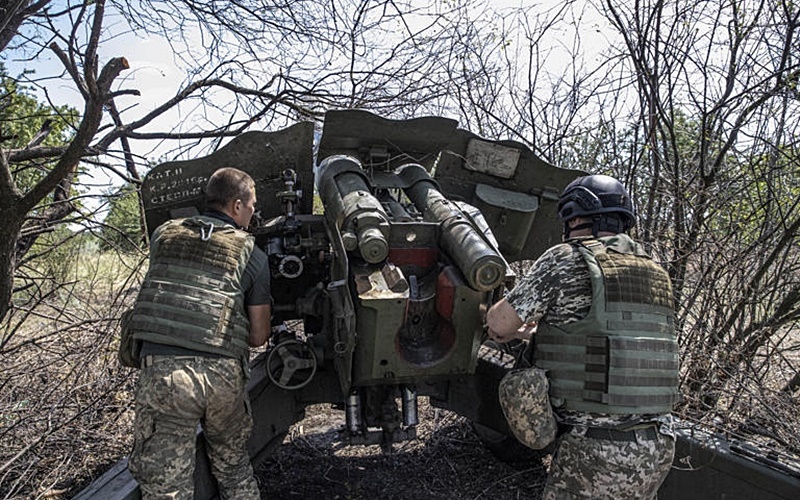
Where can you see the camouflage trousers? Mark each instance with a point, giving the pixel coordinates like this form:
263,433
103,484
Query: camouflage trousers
173,395
586,467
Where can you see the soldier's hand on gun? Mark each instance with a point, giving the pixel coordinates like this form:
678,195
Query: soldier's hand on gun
524,333
498,337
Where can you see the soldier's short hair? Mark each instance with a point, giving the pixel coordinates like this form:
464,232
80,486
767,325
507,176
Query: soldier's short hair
226,185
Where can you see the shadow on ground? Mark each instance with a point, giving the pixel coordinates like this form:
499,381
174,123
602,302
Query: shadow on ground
447,461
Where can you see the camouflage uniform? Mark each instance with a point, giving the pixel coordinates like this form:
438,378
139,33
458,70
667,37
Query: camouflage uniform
175,393
525,402
600,455
182,385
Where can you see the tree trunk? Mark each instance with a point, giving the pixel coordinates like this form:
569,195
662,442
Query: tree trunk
9,233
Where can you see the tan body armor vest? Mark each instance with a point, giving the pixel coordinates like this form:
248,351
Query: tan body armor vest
192,296
622,358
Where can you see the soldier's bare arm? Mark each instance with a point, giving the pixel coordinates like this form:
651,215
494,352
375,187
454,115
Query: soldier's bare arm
503,322
259,324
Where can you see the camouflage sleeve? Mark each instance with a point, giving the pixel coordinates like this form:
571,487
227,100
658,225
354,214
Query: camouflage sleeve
556,288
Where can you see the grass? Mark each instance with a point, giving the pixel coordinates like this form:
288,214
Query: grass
65,403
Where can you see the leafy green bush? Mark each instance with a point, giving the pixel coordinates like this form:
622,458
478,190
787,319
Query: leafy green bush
122,228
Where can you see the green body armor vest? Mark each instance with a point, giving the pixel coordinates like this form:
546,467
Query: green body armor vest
622,358
192,296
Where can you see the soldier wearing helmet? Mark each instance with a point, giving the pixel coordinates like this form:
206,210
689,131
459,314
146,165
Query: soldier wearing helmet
603,355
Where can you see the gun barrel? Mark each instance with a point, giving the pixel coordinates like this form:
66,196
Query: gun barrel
483,268
358,215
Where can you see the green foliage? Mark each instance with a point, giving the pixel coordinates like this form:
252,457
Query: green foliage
50,263
122,228
318,207
22,117
64,264
757,196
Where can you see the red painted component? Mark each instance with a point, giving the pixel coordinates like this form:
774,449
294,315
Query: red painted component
446,284
420,257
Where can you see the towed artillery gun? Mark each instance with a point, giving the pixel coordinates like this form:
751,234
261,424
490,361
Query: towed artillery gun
379,299
379,293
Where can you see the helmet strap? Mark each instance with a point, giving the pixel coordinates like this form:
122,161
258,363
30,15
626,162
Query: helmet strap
585,225
610,223
599,223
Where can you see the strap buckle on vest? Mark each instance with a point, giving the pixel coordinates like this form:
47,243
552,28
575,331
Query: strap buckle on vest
146,361
205,231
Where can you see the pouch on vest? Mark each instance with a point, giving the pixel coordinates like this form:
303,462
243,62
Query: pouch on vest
524,398
129,347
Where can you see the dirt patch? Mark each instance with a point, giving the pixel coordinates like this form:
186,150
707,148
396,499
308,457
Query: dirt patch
447,461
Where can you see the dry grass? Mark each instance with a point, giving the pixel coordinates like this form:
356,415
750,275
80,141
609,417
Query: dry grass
755,405
447,461
65,403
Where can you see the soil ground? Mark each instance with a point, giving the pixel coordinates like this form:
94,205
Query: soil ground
447,461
